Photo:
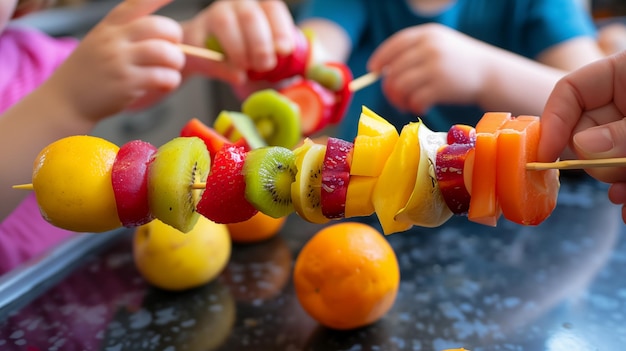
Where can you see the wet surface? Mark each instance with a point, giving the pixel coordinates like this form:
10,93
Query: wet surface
555,287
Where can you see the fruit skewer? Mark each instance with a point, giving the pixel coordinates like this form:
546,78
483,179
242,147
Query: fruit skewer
355,85
321,91
415,177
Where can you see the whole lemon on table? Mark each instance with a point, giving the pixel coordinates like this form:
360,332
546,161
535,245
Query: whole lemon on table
347,276
172,260
72,183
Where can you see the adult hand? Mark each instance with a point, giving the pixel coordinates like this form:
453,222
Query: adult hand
586,110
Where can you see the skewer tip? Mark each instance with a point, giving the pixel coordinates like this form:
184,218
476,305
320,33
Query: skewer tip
24,187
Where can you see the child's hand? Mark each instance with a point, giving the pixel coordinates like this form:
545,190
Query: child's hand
430,64
128,55
250,32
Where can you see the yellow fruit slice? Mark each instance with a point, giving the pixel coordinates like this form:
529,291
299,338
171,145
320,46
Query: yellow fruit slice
72,183
426,206
359,196
396,181
373,144
306,189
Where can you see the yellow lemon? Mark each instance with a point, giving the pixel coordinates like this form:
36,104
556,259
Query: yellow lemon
72,183
172,260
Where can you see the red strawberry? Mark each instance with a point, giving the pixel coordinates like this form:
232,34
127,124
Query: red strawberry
223,200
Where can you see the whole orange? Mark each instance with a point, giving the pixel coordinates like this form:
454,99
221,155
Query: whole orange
347,276
258,228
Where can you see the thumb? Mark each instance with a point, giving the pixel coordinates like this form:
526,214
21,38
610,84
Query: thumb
604,141
130,10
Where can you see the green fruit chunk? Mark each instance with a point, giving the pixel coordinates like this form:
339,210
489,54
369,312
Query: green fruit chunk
276,117
236,125
213,44
328,77
177,165
269,172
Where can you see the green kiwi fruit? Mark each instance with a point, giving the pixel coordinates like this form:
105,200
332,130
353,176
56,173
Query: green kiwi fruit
276,117
328,77
178,164
306,189
268,173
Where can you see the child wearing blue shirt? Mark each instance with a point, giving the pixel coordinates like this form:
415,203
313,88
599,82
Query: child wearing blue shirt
445,61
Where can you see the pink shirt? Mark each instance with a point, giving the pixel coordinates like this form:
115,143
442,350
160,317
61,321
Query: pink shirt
27,58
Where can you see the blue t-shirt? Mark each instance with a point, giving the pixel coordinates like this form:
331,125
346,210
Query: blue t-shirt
525,27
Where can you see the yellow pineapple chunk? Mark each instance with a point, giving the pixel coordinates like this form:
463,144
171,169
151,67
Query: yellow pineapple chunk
373,144
397,179
359,196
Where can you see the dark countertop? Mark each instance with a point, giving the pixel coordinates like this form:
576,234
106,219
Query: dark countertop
555,287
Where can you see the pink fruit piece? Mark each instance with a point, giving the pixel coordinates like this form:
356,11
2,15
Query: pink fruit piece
316,104
129,177
335,177
223,200
461,134
287,66
449,171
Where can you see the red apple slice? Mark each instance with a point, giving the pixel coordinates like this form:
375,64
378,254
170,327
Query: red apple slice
335,177
129,177
316,104
450,174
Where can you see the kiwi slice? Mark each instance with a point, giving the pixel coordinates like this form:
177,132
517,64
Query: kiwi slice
269,172
276,117
177,165
307,188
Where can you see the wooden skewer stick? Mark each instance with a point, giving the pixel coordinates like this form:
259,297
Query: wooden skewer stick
356,84
23,187
531,166
577,164
363,81
201,52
